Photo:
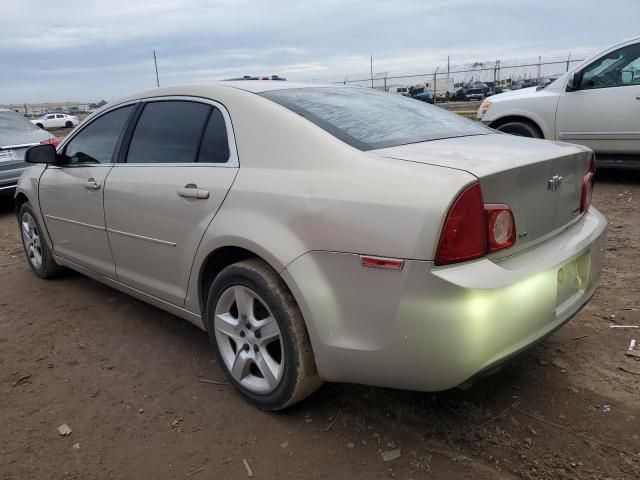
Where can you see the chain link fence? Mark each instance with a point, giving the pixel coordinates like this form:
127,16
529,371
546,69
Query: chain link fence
513,73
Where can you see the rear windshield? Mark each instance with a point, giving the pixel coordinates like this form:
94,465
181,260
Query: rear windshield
11,121
368,119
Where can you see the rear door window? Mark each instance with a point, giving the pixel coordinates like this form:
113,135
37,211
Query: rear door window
215,142
168,132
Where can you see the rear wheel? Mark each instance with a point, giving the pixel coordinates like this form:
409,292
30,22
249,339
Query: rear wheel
35,247
520,129
260,337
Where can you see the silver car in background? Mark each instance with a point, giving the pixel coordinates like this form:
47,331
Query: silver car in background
321,233
16,135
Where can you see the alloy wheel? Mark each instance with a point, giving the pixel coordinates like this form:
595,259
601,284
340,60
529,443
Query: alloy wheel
249,339
32,241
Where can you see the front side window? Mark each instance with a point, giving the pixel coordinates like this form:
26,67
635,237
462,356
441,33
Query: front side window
616,69
97,141
168,132
368,119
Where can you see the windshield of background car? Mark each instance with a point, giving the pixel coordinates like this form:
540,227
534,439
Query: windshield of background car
14,122
368,119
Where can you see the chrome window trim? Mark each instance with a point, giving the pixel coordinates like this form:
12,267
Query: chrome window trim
233,161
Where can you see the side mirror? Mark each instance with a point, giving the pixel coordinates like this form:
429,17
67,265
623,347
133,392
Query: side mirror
42,154
627,77
573,81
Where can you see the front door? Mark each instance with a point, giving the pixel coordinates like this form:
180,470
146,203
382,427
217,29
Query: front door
604,112
161,198
72,194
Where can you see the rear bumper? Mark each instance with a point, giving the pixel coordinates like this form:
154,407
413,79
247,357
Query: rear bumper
432,328
9,179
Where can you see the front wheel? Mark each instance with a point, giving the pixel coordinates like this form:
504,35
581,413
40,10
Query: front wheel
38,254
260,337
68,125
39,125
520,129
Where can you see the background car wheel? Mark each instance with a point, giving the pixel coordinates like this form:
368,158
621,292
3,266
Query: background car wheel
68,124
35,247
260,337
521,129
39,125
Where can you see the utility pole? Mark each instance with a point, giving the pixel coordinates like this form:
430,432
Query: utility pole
539,66
448,67
568,61
155,62
435,78
371,64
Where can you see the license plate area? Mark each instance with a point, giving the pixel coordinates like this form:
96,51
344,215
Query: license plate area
8,155
572,278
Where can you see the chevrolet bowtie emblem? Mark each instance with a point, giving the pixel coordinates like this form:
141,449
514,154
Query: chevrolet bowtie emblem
554,183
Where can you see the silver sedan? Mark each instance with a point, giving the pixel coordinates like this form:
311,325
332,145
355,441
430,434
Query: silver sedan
321,233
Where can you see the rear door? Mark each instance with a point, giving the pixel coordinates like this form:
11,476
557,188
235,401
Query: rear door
171,179
604,112
71,195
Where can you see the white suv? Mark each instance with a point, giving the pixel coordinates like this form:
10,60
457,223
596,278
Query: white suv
597,104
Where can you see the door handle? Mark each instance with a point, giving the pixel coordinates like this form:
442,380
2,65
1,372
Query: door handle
638,97
193,192
92,184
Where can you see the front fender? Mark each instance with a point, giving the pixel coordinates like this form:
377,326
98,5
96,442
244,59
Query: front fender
28,186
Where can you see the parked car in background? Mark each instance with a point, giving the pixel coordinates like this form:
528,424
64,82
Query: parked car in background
596,104
419,92
402,90
56,120
478,91
412,248
16,135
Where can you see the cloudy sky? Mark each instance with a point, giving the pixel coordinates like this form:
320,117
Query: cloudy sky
85,50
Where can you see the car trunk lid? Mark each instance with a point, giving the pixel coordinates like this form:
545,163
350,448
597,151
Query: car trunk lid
540,181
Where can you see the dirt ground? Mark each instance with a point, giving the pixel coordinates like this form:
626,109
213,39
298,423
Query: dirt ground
124,376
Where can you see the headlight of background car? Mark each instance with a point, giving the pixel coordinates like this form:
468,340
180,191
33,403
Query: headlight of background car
484,107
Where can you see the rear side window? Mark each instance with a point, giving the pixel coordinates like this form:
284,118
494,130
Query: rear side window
96,142
215,143
368,119
168,132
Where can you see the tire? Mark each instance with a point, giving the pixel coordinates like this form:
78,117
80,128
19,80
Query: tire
68,125
39,256
520,129
39,125
244,353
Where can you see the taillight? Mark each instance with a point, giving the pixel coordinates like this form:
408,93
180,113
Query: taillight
473,229
501,228
464,235
587,186
50,141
